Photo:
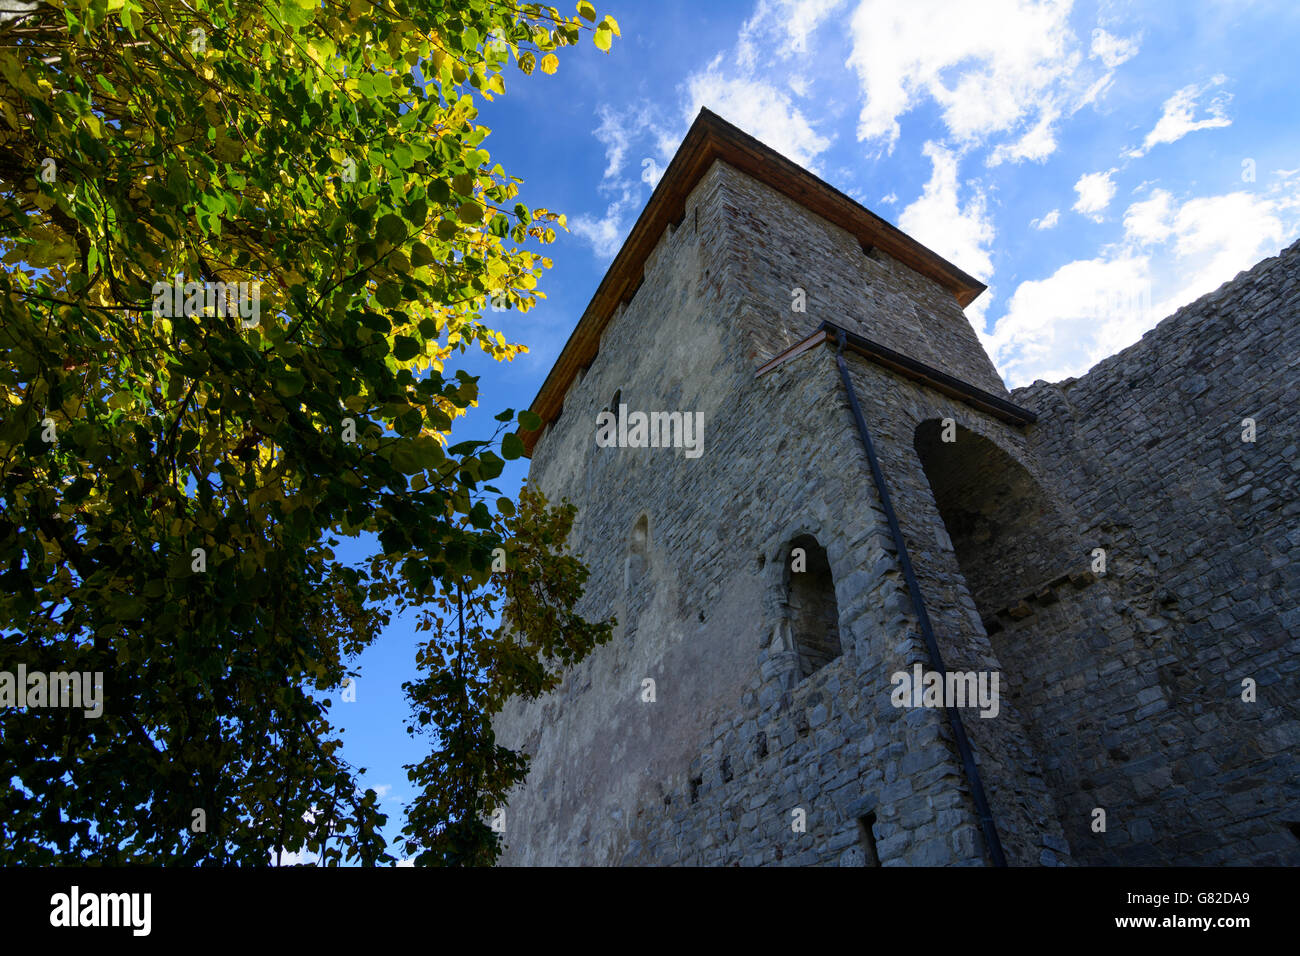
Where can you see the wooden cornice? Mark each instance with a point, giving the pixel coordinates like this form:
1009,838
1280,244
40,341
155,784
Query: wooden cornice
711,139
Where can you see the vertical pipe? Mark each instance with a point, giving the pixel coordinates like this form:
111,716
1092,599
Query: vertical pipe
918,605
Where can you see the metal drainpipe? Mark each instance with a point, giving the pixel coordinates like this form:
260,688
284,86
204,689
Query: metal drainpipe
918,605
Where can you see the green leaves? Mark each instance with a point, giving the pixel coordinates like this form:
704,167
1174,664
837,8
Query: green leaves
299,13
511,446
421,255
405,348
470,667
301,239
391,228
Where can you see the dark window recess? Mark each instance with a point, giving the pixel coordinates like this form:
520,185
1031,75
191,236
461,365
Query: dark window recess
1295,829
814,613
696,783
760,744
868,839
727,773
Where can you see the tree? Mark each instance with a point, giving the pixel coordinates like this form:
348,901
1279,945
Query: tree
242,242
497,635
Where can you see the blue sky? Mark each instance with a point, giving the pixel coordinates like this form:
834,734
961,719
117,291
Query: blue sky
1096,164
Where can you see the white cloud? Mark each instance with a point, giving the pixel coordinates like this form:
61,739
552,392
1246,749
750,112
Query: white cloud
1046,222
1170,254
1059,327
1215,237
619,132
993,67
606,233
1178,118
781,28
962,234
1150,220
759,108
1113,50
1036,145
616,137
889,199
1096,91
1095,193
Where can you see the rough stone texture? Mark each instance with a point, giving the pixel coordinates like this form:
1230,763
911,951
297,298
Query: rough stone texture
1202,534
1119,691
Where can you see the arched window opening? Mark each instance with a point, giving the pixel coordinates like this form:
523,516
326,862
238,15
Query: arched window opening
813,612
1005,532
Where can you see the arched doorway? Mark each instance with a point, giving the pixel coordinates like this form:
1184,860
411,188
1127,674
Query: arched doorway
1008,537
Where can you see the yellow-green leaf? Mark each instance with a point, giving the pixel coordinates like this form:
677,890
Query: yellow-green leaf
550,63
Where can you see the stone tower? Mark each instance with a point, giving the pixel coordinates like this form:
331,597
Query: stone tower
865,504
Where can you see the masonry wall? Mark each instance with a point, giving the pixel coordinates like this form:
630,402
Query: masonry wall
736,745
787,247
1119,691
1139,709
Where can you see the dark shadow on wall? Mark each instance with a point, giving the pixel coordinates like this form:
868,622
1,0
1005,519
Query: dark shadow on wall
1008,536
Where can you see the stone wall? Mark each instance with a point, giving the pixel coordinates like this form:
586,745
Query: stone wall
785,247
1140,708
1119,690
737,745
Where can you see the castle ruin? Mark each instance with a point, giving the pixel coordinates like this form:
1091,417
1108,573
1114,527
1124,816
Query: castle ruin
1114,558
